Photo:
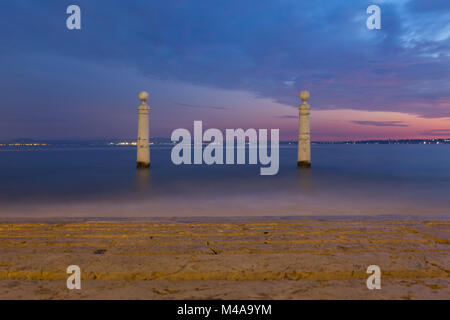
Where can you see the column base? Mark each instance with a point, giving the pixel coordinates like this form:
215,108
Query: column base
304,164
143,165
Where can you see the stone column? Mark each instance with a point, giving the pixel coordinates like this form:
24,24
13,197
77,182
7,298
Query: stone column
143,149
304,140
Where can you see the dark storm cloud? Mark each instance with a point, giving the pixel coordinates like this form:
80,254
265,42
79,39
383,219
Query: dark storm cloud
381,123
200,107
437,132
287,117
273,48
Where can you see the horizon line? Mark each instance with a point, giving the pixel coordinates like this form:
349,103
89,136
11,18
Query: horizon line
168,140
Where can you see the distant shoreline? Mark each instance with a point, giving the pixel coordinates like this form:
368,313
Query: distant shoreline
165,141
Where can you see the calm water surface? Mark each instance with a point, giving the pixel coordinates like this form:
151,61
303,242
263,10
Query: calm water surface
344,180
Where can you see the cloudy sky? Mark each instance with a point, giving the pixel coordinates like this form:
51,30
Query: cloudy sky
232,64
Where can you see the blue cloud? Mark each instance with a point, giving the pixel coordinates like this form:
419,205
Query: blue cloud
271,48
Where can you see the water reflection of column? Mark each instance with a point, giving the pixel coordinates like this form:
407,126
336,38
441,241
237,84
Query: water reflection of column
143,149
304,140
143,181
304,182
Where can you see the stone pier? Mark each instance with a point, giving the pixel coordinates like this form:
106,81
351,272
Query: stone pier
143,149
304,139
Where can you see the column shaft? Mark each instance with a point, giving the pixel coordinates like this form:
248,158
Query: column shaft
143,149
304,140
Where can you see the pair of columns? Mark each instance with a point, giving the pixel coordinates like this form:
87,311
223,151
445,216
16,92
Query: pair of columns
304,139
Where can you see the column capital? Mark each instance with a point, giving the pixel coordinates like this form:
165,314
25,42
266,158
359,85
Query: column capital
143,96
304,95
